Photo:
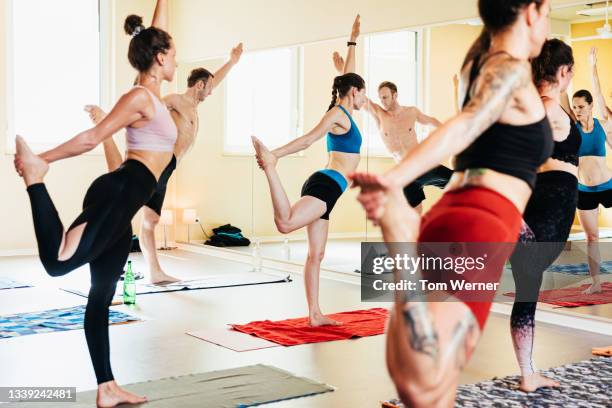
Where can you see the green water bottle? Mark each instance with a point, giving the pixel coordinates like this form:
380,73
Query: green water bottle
129,286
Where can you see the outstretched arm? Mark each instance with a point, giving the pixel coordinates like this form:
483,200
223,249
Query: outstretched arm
222,72
604,111
160,16
111,151
424,119
330,119
372,107
349,66
128,110
599,97
567,107
493,91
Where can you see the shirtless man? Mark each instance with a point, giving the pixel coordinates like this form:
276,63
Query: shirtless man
396,126
184,110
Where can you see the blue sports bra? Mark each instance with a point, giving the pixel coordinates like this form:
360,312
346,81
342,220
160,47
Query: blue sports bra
593,143
350,142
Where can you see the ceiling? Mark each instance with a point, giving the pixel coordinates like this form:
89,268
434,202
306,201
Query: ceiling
569,13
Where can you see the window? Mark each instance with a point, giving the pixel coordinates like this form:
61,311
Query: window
389,57
53,69
262,99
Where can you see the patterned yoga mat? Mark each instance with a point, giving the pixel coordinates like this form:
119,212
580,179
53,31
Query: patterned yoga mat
581,269
7,283
47,321
584,384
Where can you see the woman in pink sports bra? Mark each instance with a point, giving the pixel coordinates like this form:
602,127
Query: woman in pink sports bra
102,234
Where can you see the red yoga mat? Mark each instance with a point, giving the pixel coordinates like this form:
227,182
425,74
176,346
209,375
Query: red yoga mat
291,332
573,297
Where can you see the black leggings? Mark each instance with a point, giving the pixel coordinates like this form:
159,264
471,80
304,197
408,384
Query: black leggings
550,215
111,202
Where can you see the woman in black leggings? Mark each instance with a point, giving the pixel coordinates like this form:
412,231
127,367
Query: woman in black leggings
550,212
101,235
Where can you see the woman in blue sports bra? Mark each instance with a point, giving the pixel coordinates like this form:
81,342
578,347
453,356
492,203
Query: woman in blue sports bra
324,187
595,177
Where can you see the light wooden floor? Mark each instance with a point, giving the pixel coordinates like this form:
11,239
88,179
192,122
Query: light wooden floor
159,348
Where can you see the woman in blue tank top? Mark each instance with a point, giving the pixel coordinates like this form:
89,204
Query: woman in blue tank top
324,187
595,177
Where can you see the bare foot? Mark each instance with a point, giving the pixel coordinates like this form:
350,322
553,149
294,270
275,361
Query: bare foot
594,288
399,221
531,383
110,395
265,157
96,114
602,351
161,278
29,166
322,320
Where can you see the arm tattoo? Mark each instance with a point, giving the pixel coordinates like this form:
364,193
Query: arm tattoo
422,336
499,79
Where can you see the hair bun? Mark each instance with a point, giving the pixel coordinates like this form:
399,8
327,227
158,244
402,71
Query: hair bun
133,25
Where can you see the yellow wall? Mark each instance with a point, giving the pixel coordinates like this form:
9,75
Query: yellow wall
447,48
582,79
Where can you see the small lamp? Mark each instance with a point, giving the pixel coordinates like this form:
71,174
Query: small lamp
167,218
189,217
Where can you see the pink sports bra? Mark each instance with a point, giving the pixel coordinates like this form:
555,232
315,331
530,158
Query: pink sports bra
159,135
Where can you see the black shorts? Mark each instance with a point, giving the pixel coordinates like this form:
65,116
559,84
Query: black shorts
157,200
590,200
325,188
437,177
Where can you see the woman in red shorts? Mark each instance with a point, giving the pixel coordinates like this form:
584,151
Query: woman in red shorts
500,138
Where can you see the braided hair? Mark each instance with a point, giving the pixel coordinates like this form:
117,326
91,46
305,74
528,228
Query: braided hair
342,86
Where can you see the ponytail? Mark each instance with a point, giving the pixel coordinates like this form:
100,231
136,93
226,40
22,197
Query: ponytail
478,48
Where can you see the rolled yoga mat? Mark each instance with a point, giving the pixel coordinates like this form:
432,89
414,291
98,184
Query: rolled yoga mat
7,283
206,282
237,387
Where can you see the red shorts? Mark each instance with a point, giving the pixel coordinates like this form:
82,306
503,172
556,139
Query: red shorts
474,214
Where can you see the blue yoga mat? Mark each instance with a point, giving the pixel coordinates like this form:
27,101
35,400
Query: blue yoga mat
581,269
48,321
